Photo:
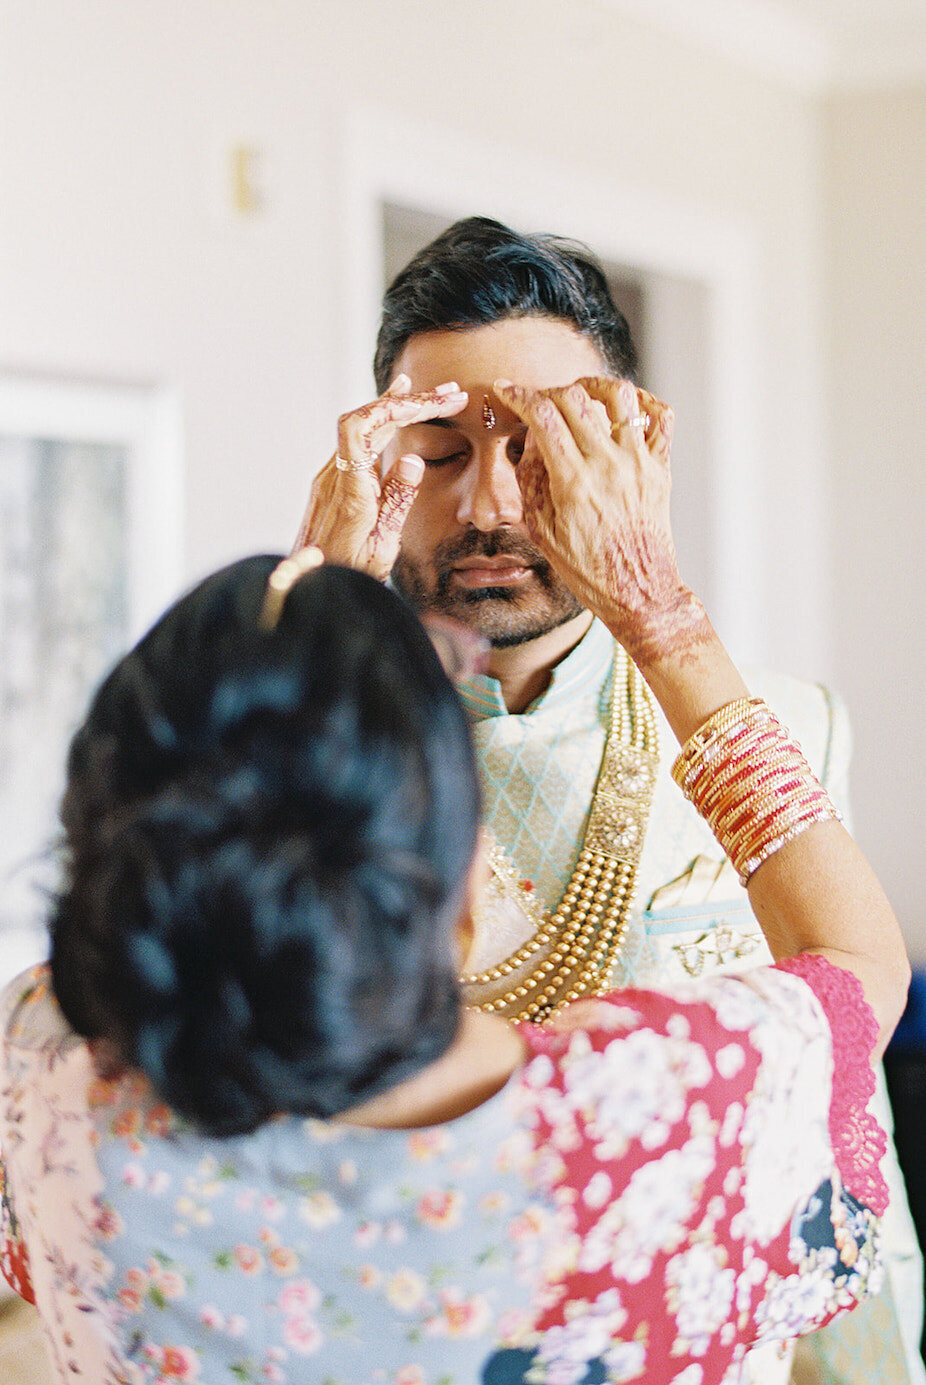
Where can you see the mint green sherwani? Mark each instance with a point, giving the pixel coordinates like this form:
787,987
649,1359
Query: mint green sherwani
690,915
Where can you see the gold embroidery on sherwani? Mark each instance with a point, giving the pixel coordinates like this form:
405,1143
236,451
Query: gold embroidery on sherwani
570,952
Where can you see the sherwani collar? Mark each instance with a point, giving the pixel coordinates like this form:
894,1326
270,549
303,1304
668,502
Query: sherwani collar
587,666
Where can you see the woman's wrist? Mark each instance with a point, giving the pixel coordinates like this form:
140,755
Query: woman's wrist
674,627
751,783
682,658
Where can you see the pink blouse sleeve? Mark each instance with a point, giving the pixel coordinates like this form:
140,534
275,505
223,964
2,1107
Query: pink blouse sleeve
858,1141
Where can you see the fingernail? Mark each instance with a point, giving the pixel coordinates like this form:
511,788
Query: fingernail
401,382
451,387
410,468
628,396
501,384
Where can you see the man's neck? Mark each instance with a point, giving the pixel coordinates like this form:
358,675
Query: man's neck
524,670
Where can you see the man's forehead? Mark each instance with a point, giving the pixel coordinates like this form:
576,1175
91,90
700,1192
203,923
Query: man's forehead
539,352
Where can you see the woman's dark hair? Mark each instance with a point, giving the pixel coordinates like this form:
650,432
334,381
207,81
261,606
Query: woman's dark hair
267,837
478,272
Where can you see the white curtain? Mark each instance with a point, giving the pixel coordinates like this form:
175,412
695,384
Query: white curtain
63,621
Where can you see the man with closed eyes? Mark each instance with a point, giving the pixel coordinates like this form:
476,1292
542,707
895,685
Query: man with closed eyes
490,341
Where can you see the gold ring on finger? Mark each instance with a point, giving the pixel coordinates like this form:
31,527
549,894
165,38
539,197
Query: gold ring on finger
348,463
638,421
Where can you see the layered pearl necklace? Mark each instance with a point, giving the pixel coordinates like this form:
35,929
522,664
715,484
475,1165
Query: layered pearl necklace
572,951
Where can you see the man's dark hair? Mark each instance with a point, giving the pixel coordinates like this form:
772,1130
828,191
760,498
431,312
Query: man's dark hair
478,272
267,835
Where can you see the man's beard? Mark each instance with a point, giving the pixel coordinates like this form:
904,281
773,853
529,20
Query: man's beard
505,615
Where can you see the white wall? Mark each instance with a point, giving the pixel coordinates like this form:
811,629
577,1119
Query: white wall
120,259
115,259
877,304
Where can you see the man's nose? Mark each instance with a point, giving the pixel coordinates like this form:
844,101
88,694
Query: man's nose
490,495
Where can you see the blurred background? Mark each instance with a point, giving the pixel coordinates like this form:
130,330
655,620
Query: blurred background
201,200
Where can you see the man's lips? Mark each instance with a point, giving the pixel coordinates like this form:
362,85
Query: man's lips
499,571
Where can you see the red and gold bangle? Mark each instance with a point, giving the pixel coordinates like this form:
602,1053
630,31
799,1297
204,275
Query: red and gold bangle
750,782
712,731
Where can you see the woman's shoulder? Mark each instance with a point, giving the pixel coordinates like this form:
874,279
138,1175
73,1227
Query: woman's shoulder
708,1009
639,1058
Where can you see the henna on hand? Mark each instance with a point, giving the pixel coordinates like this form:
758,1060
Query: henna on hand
399,490
395,506
670,620
353,516
596,502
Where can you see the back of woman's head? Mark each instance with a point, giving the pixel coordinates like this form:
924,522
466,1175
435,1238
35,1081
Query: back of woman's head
267,836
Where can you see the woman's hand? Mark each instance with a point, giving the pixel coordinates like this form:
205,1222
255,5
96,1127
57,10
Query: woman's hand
355,515
595,483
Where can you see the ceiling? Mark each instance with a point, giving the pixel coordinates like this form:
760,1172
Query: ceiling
820,44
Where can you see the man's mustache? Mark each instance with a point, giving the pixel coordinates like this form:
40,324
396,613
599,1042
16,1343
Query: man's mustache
494,544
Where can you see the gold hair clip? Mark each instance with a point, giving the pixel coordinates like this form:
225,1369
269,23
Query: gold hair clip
281,580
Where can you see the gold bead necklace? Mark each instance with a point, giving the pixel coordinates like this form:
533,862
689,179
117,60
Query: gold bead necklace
572,951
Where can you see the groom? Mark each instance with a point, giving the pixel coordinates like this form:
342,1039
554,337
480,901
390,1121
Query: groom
559,716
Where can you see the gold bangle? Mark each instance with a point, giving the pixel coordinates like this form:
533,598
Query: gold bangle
778,826
781,800
745,777
751,783
740,709
827,813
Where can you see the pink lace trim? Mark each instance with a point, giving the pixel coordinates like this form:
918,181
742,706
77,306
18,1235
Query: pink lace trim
858,1141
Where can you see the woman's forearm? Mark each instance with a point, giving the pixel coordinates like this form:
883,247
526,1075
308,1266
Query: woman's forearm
595,487
819,894
815,893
